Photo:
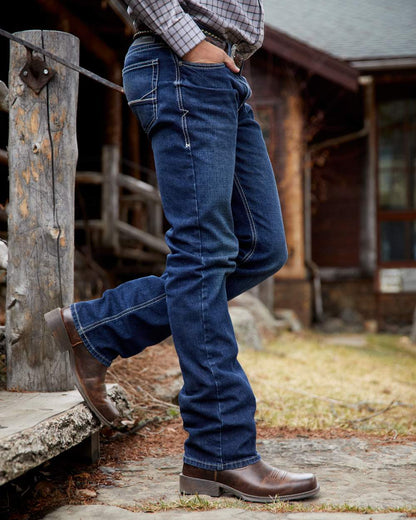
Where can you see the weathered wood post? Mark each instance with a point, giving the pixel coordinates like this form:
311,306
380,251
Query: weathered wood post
110,196
42,164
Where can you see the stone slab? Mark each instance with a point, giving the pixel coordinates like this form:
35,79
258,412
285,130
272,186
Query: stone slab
35,427
352,471
100,512
346,516
20,411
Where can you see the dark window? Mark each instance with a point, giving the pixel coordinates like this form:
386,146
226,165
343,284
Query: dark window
397,180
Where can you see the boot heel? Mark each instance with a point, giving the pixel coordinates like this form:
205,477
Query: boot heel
197,486
56,326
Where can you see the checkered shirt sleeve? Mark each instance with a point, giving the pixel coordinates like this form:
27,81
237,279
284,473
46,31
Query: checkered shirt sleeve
178,21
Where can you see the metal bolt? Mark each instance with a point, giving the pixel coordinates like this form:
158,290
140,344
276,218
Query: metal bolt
46,72
25,73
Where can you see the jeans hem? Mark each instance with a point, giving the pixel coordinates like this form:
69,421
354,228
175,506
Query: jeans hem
220,466
87,343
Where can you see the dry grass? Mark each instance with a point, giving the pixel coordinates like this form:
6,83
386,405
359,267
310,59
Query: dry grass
198,503
318,382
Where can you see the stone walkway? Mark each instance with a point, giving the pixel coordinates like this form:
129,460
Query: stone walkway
353,472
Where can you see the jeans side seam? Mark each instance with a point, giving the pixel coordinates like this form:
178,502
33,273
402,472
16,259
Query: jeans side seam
250,217
115,317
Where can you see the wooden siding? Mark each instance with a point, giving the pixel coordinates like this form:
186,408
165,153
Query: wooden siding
336,198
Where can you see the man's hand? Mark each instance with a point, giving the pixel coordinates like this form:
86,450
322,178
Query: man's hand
206,52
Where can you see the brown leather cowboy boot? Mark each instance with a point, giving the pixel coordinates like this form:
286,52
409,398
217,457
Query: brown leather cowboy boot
258,482
89,372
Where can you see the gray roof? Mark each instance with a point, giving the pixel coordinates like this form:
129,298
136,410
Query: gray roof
348,29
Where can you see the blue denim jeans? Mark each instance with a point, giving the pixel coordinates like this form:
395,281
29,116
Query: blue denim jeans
226,235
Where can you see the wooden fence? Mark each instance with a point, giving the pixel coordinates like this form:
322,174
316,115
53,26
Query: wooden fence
42,157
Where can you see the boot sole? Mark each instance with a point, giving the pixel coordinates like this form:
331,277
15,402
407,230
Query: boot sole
56,326
196,486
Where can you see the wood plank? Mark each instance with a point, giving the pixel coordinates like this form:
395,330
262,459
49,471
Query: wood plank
131,232
145,238
142,256
89,178
139,187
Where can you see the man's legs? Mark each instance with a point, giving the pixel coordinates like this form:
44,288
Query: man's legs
219,195
208,196
194,151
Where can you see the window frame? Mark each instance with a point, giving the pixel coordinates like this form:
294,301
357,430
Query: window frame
391,93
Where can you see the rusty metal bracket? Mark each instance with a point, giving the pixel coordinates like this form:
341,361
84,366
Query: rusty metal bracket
35,73
71,66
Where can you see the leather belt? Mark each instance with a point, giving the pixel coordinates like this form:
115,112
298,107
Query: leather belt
211,37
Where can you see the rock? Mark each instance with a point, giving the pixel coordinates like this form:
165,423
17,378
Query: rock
86,493
169,393
331,325
245,329
119,396
371,326
290,318
35,427
352,319
266,323
353,472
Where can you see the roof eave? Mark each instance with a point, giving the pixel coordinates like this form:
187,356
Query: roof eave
310,58
383,64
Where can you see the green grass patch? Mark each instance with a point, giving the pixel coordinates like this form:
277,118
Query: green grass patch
317,381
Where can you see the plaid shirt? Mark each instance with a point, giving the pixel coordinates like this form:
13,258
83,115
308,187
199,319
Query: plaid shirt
176,21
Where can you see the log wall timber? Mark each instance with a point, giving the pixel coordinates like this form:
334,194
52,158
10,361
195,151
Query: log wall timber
291,152
368,231
42,163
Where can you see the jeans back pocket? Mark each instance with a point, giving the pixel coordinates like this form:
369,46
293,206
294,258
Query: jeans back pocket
140,85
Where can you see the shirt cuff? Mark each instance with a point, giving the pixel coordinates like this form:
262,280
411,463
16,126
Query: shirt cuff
183,35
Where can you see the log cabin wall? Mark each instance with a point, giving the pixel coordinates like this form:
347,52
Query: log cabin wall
339,180
336,200
278,102
296,111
